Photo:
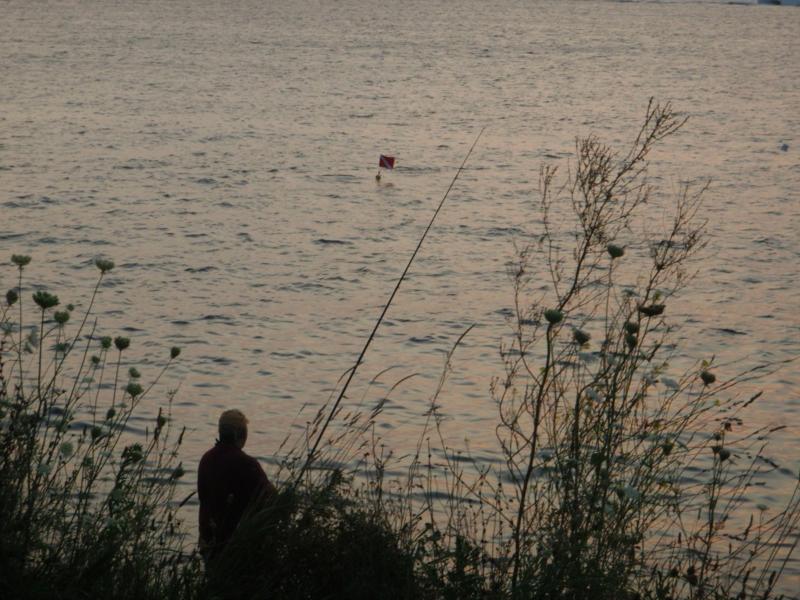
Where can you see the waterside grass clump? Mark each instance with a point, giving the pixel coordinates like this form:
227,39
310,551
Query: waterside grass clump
85,511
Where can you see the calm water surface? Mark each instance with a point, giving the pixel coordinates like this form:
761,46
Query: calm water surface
223,154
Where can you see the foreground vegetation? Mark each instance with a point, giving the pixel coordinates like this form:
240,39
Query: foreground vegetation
85,512
620,479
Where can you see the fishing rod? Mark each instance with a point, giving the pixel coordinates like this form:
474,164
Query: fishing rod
354,368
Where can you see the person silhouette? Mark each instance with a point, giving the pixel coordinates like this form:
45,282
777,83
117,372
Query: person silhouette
229,481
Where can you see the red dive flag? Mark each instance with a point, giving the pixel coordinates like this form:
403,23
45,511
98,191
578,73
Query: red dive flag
386,162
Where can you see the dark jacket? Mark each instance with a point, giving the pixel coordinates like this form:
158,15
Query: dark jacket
228,482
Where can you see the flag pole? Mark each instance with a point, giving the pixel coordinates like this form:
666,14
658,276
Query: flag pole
312,453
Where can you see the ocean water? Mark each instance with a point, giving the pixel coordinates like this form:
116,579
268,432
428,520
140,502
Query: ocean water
224,154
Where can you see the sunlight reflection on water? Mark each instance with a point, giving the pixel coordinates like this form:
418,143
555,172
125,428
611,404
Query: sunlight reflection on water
224,156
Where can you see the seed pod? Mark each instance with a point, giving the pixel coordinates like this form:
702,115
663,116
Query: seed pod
615,251
133,453
134,389
104,265
652,310
20,260
708,377
174,352
61,317
45,300
666,448
553,315
105,342
122,343
11,297
581,337
631,340
724,454
66,449
632,327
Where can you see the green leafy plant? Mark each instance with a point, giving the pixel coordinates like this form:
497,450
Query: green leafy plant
83,513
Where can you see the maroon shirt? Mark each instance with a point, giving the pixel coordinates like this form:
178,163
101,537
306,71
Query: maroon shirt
228,480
